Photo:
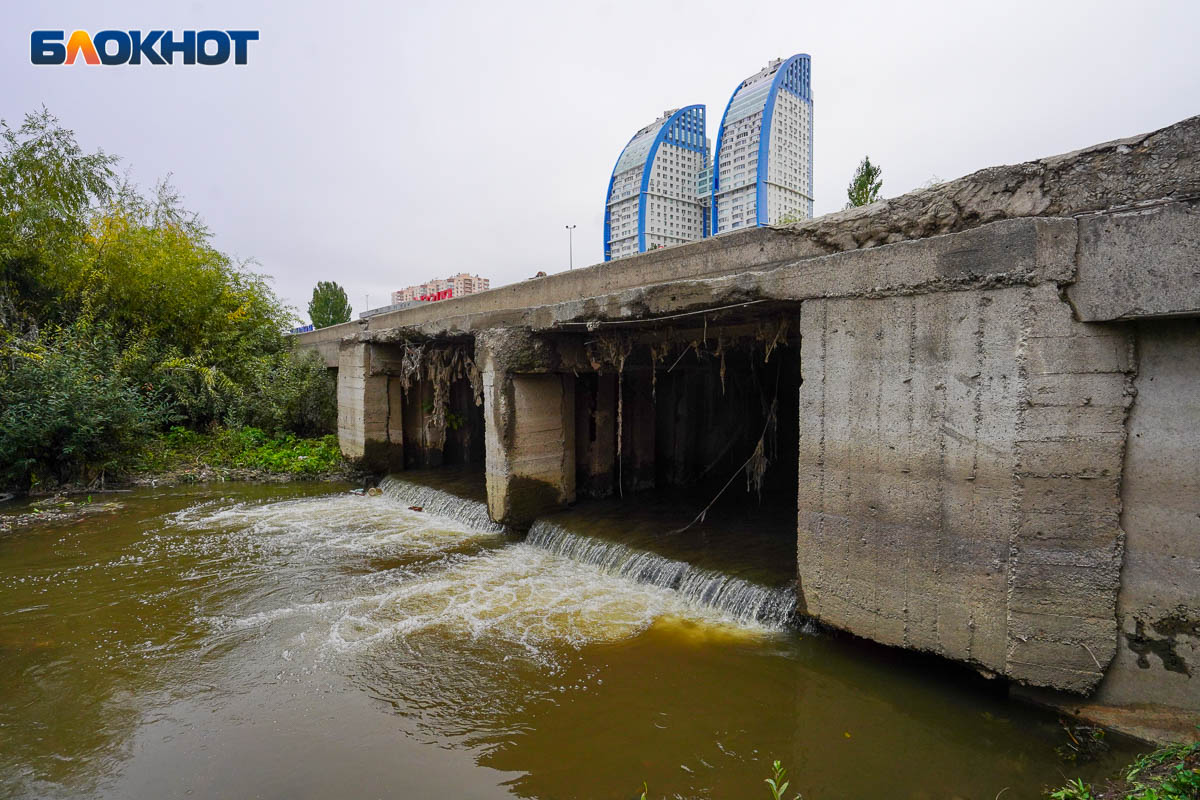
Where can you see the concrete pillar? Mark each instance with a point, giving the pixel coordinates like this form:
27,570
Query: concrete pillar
424,433
959,470
530,430
369,412
395,425
459,440
637,432
596,434
679,430
1158,654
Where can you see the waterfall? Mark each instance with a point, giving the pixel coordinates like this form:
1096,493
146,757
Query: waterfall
740,599
735,597
471,513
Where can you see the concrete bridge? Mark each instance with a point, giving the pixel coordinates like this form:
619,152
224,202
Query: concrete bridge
985,397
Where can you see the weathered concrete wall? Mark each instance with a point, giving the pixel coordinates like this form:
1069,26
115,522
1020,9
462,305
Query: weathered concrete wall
959,469
529,416
1158,659
369,415
1139,263
326,341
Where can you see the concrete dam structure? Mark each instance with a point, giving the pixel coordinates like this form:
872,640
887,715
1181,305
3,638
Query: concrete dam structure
984,397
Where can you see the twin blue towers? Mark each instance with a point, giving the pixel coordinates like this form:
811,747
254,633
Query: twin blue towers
665,191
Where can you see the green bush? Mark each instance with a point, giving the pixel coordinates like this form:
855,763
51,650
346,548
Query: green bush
290,455
119,318
244,448
68,412
288,393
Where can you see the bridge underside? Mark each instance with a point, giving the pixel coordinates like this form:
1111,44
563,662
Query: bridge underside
991,435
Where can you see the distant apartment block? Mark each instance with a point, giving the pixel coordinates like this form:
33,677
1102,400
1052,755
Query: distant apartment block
665,191
443,288
652,199
763,161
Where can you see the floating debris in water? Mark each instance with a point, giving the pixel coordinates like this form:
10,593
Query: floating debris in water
472,513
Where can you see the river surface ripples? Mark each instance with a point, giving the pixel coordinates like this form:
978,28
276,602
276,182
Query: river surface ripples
303,641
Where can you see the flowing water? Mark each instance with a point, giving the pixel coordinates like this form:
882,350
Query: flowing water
302,641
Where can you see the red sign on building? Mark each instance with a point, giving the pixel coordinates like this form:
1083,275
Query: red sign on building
445,294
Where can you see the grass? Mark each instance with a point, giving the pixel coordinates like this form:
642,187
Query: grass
1169,773
250,449
777,784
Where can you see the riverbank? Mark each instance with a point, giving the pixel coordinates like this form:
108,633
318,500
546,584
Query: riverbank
181,457
1170,773
241,454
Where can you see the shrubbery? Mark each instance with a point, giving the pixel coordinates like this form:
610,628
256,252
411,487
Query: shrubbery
118,320
243,448
67,408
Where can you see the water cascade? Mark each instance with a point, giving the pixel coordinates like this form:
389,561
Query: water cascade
465,511
735,597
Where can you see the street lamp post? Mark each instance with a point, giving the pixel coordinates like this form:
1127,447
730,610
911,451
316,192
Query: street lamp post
571,243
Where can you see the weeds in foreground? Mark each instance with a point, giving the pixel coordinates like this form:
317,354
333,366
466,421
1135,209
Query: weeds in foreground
1074,790
777,783
1169,773
1166,774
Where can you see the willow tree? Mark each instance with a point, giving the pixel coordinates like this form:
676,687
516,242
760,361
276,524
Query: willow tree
49,188
329,305
865,185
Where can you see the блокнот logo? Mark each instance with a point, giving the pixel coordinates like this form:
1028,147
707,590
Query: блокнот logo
114,47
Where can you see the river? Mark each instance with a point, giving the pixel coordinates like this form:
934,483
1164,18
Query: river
301,641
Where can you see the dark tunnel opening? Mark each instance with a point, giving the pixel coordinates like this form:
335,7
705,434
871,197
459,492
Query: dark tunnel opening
693,415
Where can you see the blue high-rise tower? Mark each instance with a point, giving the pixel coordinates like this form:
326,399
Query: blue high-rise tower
762,168
652,195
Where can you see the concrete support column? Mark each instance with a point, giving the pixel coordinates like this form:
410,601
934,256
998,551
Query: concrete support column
369,411
960,461
424,431
637,432
529,419
1158,654
596,434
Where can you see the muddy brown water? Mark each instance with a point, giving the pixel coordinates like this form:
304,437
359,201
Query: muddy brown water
300,641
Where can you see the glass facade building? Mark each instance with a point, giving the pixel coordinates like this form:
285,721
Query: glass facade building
652,199
763,162
664,190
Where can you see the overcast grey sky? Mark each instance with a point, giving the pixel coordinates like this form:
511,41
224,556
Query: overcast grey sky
381,144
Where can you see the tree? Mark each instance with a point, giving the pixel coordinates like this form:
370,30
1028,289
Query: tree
48,188
329,305
864,187
119,318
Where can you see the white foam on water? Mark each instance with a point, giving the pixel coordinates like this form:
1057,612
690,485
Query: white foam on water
343,522
731,596
520,594
557,588
470,513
